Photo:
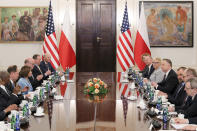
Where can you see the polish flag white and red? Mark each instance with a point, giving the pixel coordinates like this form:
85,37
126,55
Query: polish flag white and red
124,49
50,41
66,45
142,41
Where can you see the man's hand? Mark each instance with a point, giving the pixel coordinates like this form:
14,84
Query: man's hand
171,109
39,77
154,84
11,107
190,128
180,121
17,89
162,94
48,73
27,96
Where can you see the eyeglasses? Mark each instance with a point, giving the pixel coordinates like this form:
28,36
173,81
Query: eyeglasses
155,62
186,76
188,88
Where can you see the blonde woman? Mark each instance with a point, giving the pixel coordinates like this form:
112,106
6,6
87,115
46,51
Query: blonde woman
158,75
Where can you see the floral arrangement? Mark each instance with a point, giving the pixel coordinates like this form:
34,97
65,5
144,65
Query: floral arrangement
95,90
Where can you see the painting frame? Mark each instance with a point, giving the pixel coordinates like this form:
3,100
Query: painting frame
181,24
13,11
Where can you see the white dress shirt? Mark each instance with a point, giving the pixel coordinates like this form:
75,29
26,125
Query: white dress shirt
167,73
3,87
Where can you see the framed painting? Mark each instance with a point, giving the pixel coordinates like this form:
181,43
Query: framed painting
169,23
22,24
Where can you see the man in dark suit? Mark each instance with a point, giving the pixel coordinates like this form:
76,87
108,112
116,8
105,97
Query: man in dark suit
35,81
4,111
170,82
36,71
45,65
180,72
189,110
148,70
8,100
14,74
179,94
179,97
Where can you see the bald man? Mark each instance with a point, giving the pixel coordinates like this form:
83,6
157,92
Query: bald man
35,82
29,62
45,65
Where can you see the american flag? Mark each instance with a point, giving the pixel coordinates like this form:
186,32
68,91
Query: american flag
125,50
124,89
50,41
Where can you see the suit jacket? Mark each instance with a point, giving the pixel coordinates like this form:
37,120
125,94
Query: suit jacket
6,99
186,101
2,115
10,86
146,73
34,82
169,84
36,72
193,120
189,110
178,96
45,66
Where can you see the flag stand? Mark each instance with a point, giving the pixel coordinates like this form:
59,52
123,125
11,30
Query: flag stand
95,110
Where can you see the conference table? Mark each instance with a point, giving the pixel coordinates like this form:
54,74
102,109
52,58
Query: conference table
76,113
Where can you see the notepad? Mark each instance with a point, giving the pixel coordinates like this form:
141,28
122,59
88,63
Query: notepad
179,126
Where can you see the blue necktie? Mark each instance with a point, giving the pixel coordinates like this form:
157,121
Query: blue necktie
182,85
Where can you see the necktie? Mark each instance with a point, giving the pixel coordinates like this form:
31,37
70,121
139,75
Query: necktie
39,69
5,89
148,70
188,101
13,86
164,78
47,66
32,77
179,90
8,91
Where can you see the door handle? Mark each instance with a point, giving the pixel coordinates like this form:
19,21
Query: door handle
98,39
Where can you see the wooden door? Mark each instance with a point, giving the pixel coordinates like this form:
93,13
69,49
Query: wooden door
96,36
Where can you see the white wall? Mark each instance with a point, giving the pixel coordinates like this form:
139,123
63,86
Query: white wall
17,52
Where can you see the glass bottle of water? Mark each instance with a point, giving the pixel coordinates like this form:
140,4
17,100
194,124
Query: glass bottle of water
151,95
165,118
13,119
27,110
17,124
159,104
24,111
40,94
